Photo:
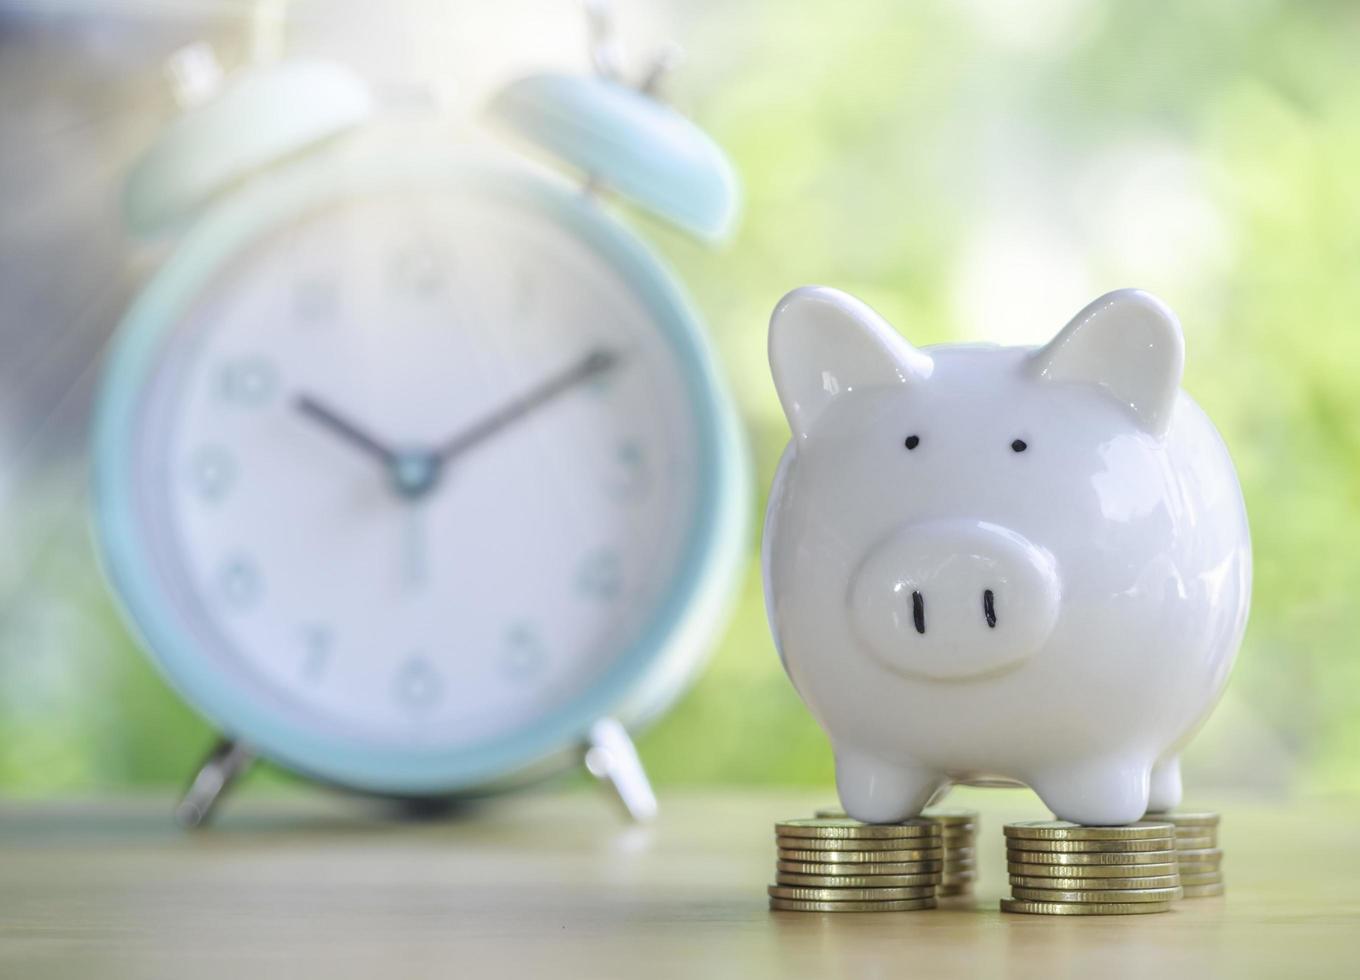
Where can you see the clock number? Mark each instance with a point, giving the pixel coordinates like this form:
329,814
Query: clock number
240,583
419,269
631,477
317,643
248,382
418,685
212,472
524,654
600,575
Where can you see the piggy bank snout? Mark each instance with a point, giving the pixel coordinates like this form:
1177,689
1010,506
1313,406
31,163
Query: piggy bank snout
951,600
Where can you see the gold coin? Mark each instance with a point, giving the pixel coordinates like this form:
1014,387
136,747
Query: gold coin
959,867
952,839
1078,908
856,881
872,844
1189,870
1214,854
860,857
957,879
1207,878
849,894
1186,818
1101,857
858,869
1089,846
904,905
1195,843
1126,895
843,828
1196,830
1201,864
953,891
1116,871
1203,891
1200,867
1062,830
950,816
1096,884
1201,843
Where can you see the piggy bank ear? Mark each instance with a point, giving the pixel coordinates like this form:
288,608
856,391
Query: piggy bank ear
825,344
1127,342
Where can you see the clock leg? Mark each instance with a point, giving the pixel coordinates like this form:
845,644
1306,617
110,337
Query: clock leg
227,760
610,756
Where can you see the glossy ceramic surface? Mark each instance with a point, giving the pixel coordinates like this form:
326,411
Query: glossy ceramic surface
634,144
263,115
988,562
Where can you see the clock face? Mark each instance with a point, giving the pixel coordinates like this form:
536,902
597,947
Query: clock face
417,469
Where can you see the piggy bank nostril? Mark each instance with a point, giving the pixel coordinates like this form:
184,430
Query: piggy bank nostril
960,566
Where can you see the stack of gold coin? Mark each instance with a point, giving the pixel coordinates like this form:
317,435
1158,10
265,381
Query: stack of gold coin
1061,868
958,830
1197,852
835,864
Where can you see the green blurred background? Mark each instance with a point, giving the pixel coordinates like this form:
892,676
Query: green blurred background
974,169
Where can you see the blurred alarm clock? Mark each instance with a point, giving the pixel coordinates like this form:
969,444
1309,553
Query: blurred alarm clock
413,469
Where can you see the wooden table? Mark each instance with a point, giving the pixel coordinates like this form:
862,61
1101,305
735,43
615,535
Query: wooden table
558,886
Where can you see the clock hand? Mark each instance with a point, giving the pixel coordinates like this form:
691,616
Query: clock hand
413,556
595,363
345,429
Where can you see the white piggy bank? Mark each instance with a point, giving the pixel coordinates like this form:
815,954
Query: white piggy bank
993,562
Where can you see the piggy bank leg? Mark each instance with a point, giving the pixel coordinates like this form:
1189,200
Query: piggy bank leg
1165,793
1098,793
880,792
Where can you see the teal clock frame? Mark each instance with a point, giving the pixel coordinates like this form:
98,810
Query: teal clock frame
650,675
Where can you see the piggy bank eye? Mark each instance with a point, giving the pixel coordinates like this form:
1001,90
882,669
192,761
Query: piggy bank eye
1019,445
912,442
